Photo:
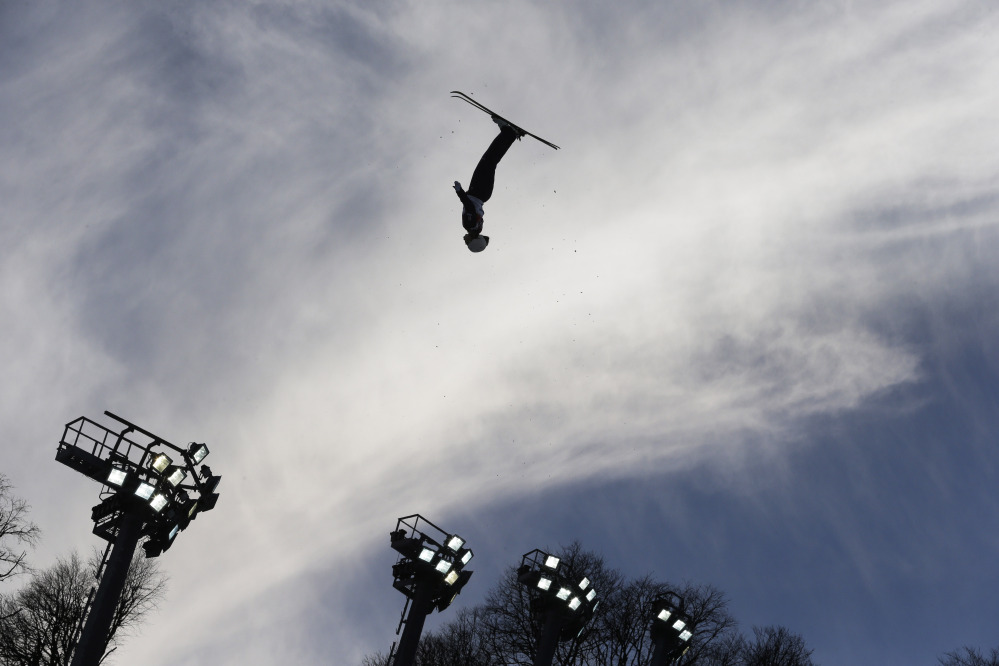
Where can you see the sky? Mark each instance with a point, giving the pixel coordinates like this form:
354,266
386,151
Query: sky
740,330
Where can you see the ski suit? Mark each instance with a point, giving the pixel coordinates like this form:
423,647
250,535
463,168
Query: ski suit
480,189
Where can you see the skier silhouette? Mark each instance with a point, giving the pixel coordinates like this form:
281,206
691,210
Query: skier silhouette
481,186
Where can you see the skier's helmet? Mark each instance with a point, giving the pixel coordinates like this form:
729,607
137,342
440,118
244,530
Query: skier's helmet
476,243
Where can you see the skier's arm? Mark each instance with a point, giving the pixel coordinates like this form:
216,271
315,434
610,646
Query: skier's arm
461,195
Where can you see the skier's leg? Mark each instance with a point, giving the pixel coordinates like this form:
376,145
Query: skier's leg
484,176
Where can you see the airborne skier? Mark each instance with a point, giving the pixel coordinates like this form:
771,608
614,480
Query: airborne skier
480,188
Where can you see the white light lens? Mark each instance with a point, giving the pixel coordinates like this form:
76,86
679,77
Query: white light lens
117,476
590,595
574,603
173,532
145,491
563,593
685,635
544,583
466,557
443,566
161,462
455,542
585,583
679,625
451,577
663,615
177,476
551,562
426,554
158,502
200,453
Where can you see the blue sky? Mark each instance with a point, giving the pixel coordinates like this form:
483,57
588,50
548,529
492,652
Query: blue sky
740,330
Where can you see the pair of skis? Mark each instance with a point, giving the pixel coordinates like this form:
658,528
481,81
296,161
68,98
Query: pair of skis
457,94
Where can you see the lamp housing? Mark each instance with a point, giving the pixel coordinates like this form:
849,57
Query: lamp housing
198,452
158,501
117,477
175,475
160,462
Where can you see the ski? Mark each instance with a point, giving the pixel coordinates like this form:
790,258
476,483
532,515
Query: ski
457,94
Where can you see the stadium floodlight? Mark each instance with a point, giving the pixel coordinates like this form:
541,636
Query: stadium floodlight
160,462
116,477
430,572
176,475
198,452
452,590
558,603
670,630
158,501
143,495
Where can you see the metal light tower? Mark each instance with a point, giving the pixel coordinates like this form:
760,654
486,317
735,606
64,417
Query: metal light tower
670,630
430,572
564,599
151,488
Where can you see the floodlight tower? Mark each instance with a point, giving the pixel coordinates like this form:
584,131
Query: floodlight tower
430,572
151,488
670,630
565,599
